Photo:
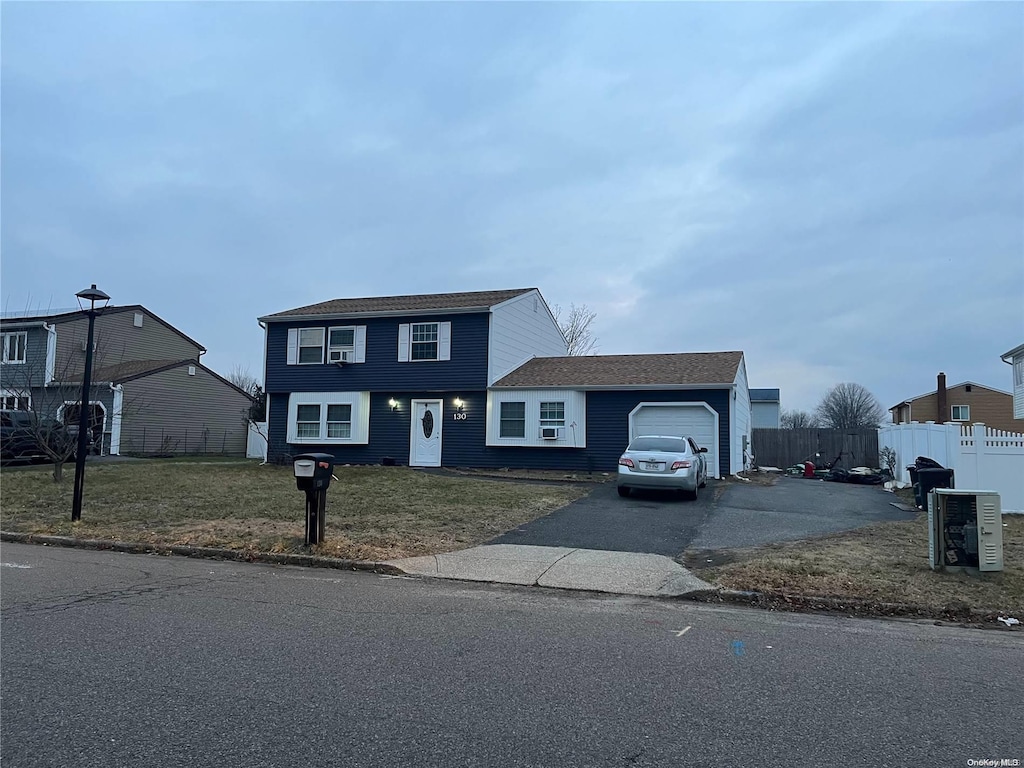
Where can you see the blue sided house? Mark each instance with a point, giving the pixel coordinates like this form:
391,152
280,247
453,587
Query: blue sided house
483,379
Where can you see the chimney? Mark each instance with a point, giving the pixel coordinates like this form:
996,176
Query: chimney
942,405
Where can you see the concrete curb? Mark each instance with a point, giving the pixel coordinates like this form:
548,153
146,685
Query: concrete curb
209,553
852,606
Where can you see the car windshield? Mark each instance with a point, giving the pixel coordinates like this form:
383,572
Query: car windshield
659,444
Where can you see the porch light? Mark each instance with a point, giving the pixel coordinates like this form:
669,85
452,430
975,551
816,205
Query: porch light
394,404
459,405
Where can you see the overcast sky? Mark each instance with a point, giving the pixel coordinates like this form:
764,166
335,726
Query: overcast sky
836,190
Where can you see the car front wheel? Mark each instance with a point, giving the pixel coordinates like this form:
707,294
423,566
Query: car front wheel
623,491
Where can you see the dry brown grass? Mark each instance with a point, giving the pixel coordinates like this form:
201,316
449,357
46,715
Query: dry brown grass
881,564
373,513
510,473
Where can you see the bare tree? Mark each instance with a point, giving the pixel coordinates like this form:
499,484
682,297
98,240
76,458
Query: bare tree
242,378
849,405
797,419
245,381
47,405
576,329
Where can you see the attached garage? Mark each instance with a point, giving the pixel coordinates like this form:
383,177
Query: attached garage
697,420
609,399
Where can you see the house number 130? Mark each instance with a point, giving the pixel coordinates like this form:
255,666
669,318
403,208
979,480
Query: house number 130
460,415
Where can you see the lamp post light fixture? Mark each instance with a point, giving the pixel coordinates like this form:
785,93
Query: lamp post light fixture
91,295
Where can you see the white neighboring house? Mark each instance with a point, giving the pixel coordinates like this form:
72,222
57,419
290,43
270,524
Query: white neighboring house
1015,357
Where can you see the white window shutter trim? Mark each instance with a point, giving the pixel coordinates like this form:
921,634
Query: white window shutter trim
360,343
403,343
293,346
444,341
293,413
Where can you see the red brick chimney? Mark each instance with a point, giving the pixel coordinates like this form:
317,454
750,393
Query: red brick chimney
943,405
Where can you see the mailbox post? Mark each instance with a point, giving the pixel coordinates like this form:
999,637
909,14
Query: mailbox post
313,472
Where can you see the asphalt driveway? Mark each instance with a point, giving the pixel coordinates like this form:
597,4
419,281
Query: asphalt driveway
727,515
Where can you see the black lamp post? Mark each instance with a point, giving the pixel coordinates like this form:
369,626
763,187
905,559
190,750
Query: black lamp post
92,295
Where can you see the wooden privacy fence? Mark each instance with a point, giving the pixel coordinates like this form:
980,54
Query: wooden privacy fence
784,447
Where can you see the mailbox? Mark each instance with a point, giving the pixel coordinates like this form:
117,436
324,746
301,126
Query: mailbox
313,472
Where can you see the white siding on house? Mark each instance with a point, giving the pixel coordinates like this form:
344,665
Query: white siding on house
520,329
740,424
572,435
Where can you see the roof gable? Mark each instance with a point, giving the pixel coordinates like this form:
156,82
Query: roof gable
950,388
686,369
75,314
394,305
130,370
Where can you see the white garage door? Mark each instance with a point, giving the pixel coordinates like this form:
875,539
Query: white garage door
697,420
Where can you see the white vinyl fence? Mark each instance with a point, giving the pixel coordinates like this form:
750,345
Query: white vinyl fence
981,458
256,446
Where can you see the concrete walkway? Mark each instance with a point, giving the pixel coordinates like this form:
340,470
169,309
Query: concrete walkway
624,573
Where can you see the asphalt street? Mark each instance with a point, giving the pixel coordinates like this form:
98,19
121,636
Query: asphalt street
727,515
132,660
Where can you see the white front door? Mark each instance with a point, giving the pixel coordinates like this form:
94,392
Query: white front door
425,437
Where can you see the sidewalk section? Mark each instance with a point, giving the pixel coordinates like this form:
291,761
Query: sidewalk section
626,573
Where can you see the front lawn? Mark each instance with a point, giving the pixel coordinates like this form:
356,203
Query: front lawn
880,569
373,513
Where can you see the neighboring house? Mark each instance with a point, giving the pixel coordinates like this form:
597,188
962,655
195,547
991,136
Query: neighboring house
764,409
1015,357
967,402
483,379
147,381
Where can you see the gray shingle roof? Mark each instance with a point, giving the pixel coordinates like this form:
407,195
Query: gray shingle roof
683,369
415,303
129,369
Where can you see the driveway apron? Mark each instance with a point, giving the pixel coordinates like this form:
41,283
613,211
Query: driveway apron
653,522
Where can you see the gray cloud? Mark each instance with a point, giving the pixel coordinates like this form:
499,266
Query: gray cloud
837,190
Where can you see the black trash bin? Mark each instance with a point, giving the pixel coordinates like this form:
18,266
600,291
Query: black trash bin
927,479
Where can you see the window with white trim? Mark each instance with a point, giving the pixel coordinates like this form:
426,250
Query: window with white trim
1018,371
552,414
14,346
307,421
12,401
513,420
424,341
329,417
961,413
311,346
341,344
339,421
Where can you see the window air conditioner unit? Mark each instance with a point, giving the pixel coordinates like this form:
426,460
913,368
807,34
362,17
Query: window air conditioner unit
341,356
549,433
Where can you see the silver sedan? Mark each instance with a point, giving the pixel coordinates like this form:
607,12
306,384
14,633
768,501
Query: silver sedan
659,461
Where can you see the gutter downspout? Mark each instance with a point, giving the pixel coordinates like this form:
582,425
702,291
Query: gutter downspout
115,419
266,395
